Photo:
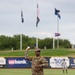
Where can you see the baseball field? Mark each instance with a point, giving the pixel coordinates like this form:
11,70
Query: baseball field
62,52
28,72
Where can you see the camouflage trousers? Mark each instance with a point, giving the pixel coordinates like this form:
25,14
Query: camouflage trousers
38,73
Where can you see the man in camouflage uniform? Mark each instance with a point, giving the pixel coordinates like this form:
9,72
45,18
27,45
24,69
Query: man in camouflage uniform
38,62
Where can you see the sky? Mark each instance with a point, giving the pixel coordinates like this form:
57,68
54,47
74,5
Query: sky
10,18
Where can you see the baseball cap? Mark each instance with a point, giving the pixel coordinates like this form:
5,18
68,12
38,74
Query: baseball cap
38,50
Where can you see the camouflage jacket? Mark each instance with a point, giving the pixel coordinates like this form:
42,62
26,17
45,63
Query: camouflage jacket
37,61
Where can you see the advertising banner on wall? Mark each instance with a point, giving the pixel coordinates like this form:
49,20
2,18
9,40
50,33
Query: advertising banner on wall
2,61
72,62
55,62
18,63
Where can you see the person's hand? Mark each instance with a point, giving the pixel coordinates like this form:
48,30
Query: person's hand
27,48
38,66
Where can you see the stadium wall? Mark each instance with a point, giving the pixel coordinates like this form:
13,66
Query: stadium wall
21,62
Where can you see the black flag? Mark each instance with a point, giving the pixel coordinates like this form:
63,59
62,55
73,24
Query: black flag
22,19
57,13
37,16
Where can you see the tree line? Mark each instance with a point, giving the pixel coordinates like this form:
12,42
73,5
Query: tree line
7,42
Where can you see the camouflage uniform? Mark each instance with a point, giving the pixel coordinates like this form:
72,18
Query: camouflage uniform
37,61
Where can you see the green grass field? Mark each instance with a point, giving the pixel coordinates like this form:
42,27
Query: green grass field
28,72
48,52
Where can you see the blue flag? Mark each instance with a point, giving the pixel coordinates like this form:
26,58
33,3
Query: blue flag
57,13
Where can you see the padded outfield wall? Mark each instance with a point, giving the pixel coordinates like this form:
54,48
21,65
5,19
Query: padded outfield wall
21,62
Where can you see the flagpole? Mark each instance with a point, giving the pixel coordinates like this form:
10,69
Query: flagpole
21,39
37,37
22,21
37,27
53,42
37,24
57,32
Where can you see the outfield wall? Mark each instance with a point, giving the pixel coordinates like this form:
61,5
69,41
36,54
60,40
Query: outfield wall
21,62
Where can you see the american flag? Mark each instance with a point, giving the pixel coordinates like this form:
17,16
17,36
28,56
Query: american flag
57,34
37,16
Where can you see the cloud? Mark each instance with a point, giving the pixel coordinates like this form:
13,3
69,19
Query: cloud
43,34
10,18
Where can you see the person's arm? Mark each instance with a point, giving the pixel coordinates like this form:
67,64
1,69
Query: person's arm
26,54
66,64
44,62
62,64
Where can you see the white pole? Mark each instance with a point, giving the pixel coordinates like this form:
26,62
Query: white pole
21,42
21,38
53,43
37,26
57,32
22,21
37,37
